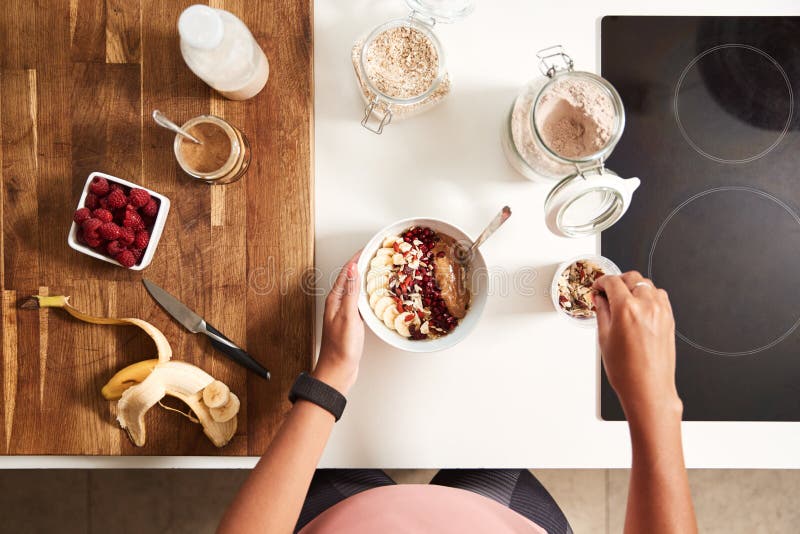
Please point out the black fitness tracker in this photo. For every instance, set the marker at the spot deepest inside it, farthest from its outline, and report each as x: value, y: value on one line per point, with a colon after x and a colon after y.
x: 309, y: 388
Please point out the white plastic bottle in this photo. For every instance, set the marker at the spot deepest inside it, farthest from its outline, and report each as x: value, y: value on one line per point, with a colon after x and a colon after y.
x: 222, y: 52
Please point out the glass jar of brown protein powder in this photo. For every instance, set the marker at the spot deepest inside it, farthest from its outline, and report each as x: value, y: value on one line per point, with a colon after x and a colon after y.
x: 560, y: 130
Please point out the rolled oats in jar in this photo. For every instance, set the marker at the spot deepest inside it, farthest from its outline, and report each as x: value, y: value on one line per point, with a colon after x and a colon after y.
x: 400, y: 65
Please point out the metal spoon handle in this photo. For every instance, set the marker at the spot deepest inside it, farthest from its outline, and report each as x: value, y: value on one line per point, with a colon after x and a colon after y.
x: 496, y: 223
x: 164, y: 122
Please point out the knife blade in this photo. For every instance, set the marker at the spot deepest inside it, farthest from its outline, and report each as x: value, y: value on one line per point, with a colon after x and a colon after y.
x: 195, y: 324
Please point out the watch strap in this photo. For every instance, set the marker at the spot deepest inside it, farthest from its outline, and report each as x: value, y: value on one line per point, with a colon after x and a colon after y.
x: 308, y: 388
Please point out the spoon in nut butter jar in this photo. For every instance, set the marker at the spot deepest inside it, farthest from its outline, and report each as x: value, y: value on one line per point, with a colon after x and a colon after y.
x: 164, y: 122
x: 210, y: 149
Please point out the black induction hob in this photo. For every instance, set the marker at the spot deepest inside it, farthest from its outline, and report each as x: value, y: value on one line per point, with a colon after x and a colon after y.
x: 713, y: 132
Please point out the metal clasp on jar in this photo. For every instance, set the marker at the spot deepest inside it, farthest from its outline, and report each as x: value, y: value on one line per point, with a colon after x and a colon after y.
x: 371, y: 109
x: 597, y: 165
x: 553, y: 59
x: 430, y: 21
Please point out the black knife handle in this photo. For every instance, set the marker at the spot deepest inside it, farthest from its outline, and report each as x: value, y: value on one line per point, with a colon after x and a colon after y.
x: 236, y: 354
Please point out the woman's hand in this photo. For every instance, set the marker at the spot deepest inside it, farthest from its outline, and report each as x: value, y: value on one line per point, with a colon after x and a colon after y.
x: 637, y: 341
x: 342, y: 332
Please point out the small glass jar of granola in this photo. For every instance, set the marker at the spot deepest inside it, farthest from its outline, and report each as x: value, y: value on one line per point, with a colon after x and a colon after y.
x: 572, y: 291
x: 400, y: 65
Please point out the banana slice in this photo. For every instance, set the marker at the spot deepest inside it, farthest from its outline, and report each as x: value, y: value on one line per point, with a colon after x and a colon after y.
x: 216, y: 394
x: 376, y: 295
x: 389, y: 315
x: 382, y: 304
x: 379, y: 271
x: 377, y: 282
x: 403, y: 321
x: 227, y: 412
x: 381, y: 261
x: 385, y: 252
x: 390, y: 241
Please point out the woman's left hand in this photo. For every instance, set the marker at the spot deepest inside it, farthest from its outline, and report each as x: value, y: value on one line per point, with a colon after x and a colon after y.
x: 342, y: 332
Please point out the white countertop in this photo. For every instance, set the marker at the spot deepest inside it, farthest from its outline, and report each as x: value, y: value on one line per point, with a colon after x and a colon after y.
x: 523, y: 389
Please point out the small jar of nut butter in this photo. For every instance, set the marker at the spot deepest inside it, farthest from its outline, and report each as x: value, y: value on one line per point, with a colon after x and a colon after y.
x: 222, y: 156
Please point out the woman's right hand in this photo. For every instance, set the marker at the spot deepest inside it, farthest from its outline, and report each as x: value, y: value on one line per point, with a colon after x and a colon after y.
x: 637, y: 340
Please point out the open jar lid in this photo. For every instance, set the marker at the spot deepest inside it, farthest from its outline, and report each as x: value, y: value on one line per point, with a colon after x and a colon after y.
x: 445, y: 11
x: 588, y: 202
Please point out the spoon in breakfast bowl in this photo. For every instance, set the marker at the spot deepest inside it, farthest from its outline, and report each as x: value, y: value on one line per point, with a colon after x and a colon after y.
x: 463, y: 253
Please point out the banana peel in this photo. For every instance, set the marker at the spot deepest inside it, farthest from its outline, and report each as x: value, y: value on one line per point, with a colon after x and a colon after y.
x: 138, y: 387
x: 127, y: 377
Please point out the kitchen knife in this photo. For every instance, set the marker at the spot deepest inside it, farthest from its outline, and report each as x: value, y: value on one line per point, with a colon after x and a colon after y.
x: 197, y: 325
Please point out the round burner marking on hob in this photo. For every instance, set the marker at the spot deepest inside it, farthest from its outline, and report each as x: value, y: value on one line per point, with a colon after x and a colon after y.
x: 729, y: 258
x: 739, y: 119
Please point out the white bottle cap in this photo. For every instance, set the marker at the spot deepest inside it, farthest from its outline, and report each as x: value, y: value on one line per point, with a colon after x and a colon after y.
x: 201, y: 26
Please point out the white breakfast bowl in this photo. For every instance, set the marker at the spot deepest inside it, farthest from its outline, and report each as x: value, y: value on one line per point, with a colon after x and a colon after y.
x: 155, y: 234
x: 478, y: 281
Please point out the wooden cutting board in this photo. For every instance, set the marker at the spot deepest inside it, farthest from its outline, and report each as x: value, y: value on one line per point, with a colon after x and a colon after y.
x: 78, y: 81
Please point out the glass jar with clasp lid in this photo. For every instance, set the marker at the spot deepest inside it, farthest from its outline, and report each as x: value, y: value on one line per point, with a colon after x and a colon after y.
x: 560, y: 130
x: 400, y: 66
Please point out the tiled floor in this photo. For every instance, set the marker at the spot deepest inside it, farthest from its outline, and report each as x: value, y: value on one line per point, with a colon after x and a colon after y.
x: 178, y: 501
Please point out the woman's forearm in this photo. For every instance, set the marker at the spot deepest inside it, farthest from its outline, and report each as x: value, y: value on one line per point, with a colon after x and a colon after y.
x: 659, y: 500
x: 272, y: 497
x: 270, y: 500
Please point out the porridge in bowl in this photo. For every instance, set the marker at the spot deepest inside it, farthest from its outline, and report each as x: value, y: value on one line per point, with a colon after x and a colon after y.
x: 416, y: 286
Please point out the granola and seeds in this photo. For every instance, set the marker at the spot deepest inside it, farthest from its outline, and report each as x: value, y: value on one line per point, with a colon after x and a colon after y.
x: 575, y: 293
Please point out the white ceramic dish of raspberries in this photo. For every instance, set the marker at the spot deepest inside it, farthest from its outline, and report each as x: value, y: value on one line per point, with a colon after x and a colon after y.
x: 477, y: 280
x: 118, y: 222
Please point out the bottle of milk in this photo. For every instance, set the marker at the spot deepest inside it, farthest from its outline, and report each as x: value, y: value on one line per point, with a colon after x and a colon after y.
x: 221, y: 51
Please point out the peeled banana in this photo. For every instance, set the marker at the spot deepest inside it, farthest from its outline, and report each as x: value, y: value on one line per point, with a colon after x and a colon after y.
x: 138, y: 387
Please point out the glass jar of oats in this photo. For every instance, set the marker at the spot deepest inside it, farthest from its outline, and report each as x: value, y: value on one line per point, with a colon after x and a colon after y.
x: 560, y: 130
x: 400, y: 65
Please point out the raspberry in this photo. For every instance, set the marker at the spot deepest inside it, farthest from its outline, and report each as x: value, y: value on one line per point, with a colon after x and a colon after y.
x: 81, y: 215
x: 126, y: 258
x: 137, y: 253
x: 142, y: 239
x: 126, y: 236
x: 103, y: 203
x: 109, y: 231
x: 133, y: 221
x: 138, y: 197
x: 90, y: 227
x: 103, y: 215
x: 151, y: 208
x: 99, y: 186
x: 116, y: 199
x: 94, y: 242
x: 90, y: 201
x: 116, y: 187
x: 114, y: 247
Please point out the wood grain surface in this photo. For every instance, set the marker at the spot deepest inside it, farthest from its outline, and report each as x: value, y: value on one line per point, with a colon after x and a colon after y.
x: 78, y: 81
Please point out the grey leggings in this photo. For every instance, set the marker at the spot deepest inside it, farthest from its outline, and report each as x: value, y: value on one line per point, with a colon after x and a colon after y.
x: 517, y: 489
